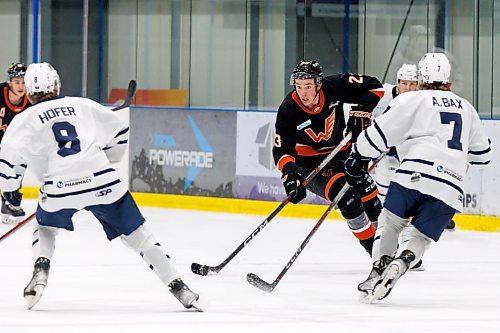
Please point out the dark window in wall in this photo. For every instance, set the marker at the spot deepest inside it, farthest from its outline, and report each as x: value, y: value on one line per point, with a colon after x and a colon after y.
x: 62, y: 43
x: 327, y: 31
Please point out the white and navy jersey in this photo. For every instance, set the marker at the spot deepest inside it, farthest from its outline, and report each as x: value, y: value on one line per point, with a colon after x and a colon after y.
x: 390, y: 92
x: 69, y: 144
x: 436, y: 134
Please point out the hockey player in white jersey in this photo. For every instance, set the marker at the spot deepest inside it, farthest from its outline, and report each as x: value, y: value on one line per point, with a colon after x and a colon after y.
x: 437, y: 135
x: 69, y: 143
x: 386, y: 166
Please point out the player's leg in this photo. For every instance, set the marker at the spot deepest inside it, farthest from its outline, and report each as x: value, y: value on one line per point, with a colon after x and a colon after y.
x: 404, y: 237
x: 43, y: 246
x: 123, y: 219
x: 384, y: 248
x: 430, y: 219
x: 328, y: 184
x: 368, y: 192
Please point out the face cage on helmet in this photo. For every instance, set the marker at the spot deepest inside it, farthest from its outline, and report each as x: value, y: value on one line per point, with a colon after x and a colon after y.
x: 304, y: 76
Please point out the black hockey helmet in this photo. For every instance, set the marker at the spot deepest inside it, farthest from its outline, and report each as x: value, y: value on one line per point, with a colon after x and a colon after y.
x: 307, y: 69
x: 16, y: 69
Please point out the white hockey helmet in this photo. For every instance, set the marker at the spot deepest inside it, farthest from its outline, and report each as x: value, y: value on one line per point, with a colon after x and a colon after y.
x: 407, y: 72
x: 41, y: 78
x: 434, y: 68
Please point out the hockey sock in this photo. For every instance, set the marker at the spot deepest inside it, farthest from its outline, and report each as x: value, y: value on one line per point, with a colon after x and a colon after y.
x: 44, y: 242
x: 416, y: 242
x: 387, y: 235
x: 142, y: 241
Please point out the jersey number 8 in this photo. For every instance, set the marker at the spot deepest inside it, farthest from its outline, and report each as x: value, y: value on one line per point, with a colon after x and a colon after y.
x: 66, y: 137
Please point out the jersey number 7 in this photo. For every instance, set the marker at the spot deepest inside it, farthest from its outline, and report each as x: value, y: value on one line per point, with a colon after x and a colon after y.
x: 456, y: 118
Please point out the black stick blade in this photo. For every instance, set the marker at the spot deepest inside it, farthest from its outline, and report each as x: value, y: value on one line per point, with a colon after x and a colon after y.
x: 199, y: 269
x: 257, y: 282
x: 132, y: 86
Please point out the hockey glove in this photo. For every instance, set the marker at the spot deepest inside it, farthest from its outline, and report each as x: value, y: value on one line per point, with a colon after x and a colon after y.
x: 393, y: 152
x: 355, y: 167
x: 13, y: 198
x: 359, y: 119
x: 293, y: 182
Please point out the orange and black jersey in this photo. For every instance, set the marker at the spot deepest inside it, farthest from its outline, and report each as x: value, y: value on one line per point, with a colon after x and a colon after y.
x: 7, y: 110
x: 304, y: 135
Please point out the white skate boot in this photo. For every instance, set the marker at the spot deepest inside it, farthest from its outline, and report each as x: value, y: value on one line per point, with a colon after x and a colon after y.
x: 366, y: 287
x: 181, y: 291
x: 391, y: 275
x: 34, y: 290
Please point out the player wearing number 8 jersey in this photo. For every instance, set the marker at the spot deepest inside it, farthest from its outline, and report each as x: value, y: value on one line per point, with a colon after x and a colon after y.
x: 69, y: 143
x: 437, y: 134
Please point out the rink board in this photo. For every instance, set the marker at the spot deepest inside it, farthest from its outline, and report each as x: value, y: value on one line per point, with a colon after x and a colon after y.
x: 257, y: 207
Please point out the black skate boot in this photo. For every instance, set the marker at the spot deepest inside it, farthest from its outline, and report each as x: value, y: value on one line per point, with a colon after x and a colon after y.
x: 391, y: 275
x: 366, y: 287
x: 450, y: 226
x: 418, y: 267
x: 367, y: 244
x: 34, y: 290
x: 11, y: 214
x: 181, y: 291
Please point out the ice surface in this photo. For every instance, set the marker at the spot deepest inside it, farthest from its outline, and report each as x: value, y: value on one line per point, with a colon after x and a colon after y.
x: 98, y: 286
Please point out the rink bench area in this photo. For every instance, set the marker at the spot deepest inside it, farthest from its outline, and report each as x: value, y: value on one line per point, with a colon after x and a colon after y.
x: 257, y: 207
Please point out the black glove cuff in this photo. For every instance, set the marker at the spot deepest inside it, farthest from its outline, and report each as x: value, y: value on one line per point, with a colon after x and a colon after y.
x: 290, y: 168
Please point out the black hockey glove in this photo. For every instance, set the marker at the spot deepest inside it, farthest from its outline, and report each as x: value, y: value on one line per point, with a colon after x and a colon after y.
x: 293, y: 182
x: 393, y: 152
x: 13, y: 198
x: 359, y: 119
x: 356, y: 167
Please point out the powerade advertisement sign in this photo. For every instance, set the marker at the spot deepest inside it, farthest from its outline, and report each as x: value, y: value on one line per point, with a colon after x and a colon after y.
x: 187, y: 152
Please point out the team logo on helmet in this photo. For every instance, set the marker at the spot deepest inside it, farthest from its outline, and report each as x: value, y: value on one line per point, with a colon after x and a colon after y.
x: 16, y: 69
x: 307, y: 69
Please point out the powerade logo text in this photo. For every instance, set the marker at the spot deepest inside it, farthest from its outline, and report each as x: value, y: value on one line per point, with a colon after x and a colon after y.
x: 195, y: 160
x: 181, y: 158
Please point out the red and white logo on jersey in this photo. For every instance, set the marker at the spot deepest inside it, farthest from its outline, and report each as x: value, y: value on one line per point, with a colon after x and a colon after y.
x: 327, y: 134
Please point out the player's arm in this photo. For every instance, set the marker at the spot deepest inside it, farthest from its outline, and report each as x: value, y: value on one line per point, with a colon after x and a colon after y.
x: 113, y: 134
x: 480, y: 149
x: 365, y: 92
x: 388, y: 130
x: 117, y: 146
x: 12, y: 164
x: 284, y: 156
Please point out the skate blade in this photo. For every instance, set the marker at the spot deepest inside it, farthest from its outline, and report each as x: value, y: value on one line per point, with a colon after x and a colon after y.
x: 364, y: 297
x: 34, y: 299
x: 9, y: 219
x: 196, y: 306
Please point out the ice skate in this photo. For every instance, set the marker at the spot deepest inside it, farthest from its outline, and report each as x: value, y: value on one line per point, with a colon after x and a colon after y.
x: 366, y: 287
x: 181, y: 291
x: 11, y: 214
x: 34, y: 290
x: 391, y: 275
x: 451, y: 226
x: 418, y: 267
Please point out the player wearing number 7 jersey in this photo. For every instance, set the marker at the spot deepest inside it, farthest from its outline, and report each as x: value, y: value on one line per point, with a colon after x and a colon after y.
x: 69, y: 143
x: 437, y: 135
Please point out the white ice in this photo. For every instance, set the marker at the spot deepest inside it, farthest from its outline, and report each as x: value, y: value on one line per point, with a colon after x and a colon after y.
x: 98, y: 286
